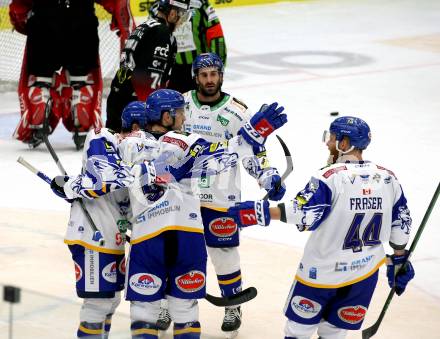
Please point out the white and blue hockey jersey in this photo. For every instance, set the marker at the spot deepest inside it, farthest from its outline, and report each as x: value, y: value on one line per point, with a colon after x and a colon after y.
x: 352, y: 209
x: 215, y: 124
x: 176, y: 154
x: 110, y: 212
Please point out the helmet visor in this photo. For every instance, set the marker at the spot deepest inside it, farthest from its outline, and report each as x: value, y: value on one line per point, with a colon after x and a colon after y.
x: 326, y: 136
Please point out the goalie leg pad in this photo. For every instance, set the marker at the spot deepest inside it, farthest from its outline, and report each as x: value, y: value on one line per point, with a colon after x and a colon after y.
x: 34, y: 97
x: 82, y: 110
x: 86, y: 102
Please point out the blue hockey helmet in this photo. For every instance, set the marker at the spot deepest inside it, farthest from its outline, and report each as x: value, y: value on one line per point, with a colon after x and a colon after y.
x: 356, y: 129
x: 134, y: 112
x: 207, y: 60
x: 163, y: 100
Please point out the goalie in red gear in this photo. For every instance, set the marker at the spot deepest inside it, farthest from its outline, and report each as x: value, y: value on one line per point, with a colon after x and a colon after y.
x: 61, y: 75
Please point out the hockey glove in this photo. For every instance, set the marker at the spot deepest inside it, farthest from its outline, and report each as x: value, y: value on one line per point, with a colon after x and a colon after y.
x: 250, y: 213
x: 19, y: 14
x: 397, y: 277
x: 263, y: 123
x: 270, y: 180
x: 57, y: 185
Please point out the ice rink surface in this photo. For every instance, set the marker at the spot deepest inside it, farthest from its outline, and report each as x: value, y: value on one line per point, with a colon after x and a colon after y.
x: 379, y: 60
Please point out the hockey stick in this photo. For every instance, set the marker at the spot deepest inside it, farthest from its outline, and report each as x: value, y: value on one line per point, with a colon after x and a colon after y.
x: 235, y: 299
x: 97, y: 236
x: 289, y: 163
x: 251, y: 292
x: 371, y: 331
x: 31, y: 168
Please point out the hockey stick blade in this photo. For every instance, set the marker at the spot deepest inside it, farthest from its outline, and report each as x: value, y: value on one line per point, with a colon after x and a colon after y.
x: 371, y: 331
x: 289, y: 164
x: 234, y: 300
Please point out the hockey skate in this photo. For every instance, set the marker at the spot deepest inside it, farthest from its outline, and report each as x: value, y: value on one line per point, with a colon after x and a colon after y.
x: 79, y: 138
x: 164, y: 321
x: 35, y: 140
x: 231, y: 321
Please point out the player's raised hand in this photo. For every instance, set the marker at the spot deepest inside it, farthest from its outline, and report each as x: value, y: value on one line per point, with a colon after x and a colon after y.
x: 250, y: 213
x: 263, y: 123
x: 268, y: 118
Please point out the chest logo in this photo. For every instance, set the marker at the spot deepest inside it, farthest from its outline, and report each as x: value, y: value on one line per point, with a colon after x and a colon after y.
x: 222, y: 120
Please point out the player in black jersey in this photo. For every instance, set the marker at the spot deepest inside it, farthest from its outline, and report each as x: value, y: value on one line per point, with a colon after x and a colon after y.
x: 146, y: 60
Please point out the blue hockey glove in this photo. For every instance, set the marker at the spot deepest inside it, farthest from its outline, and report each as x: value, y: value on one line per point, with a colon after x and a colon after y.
x: 403, y: 276
x: 57, y: 185
x: 263, y: 123
x: 249, y: 213
x: 270, y: 180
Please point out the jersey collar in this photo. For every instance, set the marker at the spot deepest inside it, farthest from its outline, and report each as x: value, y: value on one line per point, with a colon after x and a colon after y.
x: 213, y: 105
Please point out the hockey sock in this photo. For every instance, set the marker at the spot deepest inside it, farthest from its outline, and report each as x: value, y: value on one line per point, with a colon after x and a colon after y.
x: 90, y: 330
x: 108, y: 323
x: 144, y: 330
x: 229, y: 283
x: 189, y: 330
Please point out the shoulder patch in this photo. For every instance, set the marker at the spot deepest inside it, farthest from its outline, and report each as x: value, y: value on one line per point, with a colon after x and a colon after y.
x: 135, y: 134
x: 389, y: 172
x: 240, y: 103
x: 332, y: 171
x: 180, y: 143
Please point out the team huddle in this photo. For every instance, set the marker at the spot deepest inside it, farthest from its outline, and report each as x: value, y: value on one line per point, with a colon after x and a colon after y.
x: 164, y: 177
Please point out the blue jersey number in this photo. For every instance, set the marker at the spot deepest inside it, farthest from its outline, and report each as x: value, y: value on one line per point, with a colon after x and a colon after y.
x: 370, y: 237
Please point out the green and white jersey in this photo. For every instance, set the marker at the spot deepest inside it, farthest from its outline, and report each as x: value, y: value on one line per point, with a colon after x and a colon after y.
x: 217, y: 123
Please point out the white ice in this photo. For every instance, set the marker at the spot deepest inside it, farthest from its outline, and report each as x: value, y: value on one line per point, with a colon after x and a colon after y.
x: 374, y: 59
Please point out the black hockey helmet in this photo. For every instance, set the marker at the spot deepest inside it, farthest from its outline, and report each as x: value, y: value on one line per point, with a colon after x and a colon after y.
x: 166, y: 5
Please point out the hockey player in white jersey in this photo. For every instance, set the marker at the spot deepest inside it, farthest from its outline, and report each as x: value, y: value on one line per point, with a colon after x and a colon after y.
x: 352, y: 207
x: 217, y: 116
x: 100, y: 270
x: 168, y: 226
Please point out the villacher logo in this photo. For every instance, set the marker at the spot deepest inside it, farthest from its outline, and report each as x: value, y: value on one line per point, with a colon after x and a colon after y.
x: 223, y: 227
x: 191, y: 282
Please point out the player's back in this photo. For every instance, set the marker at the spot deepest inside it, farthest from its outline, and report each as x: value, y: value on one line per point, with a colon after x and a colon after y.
x: 355, y: 205
x: 138, y: 146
